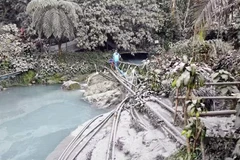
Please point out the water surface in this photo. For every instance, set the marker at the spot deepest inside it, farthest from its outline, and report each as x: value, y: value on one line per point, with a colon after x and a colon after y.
x: 34, y: 120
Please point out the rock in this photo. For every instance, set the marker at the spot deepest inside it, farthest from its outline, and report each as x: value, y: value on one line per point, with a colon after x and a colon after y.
x: 1, y: 88
x: 71, y: 85
x: 95, y: 78
x: 101, y: 100
x: 52, y: 82
x: 64, y: 78
x: 100, y: 87
x: 80, y: 78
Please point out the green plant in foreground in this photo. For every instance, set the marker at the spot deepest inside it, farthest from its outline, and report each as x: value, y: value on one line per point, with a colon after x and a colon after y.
x: 226, y: 90
x: 224, y: 76
x: 27, y: 77
x: 190, y: 79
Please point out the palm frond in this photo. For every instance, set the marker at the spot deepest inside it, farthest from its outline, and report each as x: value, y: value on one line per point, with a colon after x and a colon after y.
x: 208, y: 11
x: 47, y: 23
x: 56, y: 18
x: 34, y: 4
x: 57, y: 25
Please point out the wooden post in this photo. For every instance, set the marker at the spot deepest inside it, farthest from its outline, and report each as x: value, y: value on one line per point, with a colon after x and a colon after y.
x: 222, y: 83
x: 217, y: 113
x: 210, y: 97
x: 176, y: 106
x: 237, y: 120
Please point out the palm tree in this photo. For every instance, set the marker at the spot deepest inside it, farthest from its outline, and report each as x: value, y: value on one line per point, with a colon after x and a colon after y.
x: 207, y: 12
x: 54, y: 19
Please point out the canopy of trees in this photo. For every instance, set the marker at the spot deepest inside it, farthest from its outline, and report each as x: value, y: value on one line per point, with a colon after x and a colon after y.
x: 54, y: 18
x: 130, y: 24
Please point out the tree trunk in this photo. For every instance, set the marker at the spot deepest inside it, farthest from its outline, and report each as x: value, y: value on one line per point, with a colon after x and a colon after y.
x: 59, y: 48
x: 185, y: 120
x: 186, y: 15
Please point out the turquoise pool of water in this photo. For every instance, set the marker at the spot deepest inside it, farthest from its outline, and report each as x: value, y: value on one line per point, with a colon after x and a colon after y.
x: 34, y: 120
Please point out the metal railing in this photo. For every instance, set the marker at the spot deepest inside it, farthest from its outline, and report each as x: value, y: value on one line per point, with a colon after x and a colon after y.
x: 212, y: 113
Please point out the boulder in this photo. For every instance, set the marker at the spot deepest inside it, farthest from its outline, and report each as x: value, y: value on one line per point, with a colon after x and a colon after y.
x: 71, y: 85
x: 1, y: 88
x: 64, y: 78
x: 80, y: 78
x: 52, y: 81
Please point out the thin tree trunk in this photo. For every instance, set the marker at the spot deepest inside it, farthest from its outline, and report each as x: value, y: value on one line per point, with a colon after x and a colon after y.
x: 176, y: 106
x: 60, y: 48
x: 185, y: 121
x: 185, y: 19
x: 202, y: 148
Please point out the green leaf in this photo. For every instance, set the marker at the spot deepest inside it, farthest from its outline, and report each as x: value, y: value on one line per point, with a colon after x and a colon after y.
x: 193, y: 68
x: 215, y: 75
x: 195, y: 101
x: 226, y: 72
x: 186, y: 77
x: 189, y: 133
x: 197, y: 114
x: 188, y: 68
x: 201, y: 35
x: 216, y: 79
x: 201, y: 80
x: 179, y: 82
x: 185, y: 59
x: 174, y: 83
x: 234, y: 89
x: 187, y: 127
x: 224, y: 76
x: 184, y: 132
x: 224, y: 91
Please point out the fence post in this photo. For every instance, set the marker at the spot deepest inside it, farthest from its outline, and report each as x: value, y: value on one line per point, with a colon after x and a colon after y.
x: 176, y: 106
x: 237, y: 120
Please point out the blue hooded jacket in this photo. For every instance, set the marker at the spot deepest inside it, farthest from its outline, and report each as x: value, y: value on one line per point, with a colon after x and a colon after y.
x: 116, y: 56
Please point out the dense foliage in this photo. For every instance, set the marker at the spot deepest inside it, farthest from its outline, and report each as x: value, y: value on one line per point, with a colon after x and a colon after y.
x: 128, y: 24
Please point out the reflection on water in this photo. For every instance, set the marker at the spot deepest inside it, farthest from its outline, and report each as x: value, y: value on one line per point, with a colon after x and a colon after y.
x: 34, y: 120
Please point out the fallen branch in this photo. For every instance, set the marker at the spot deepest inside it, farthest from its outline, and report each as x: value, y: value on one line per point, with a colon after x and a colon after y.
x: 222, y: 83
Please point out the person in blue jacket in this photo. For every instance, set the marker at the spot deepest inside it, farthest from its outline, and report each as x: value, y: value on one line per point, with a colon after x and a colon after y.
x: 116, y: 58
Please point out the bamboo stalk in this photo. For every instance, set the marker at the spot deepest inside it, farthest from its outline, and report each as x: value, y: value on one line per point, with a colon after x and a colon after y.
x: 223, y: 83
x: 217, y: 113
x: 186, y: 118
x: 210, y: 97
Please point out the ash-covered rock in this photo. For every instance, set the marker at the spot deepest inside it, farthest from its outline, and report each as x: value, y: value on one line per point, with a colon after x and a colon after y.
x: 103, y: 92
x: 71, y: 85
